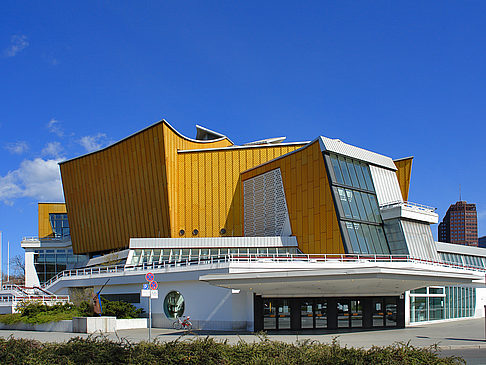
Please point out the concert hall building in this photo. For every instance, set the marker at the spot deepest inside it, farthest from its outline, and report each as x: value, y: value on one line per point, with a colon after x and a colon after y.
x: 267, y: 235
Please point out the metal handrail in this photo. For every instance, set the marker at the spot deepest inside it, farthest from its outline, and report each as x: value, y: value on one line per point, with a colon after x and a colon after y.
x: 43, y: 298
x: 408, y: 204
x: 311, y: 258
x: 35, y: 239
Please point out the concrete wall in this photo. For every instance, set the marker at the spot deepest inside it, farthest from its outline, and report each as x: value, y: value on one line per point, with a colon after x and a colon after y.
x: 209, y: 307
x: 31, y: 278
x: 61, y: 326
x: 128, y: 324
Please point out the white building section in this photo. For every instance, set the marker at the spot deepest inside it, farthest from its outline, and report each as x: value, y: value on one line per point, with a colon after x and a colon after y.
x: 386, y: 185
x: 341, y: 148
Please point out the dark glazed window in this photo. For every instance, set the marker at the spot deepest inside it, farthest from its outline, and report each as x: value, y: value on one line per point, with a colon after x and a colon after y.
x: 344, y: 170
x: 357, y: 206
x: 337, y: 170
x: 352, y: 173
x: 59, y: 223
x: 174, y: 305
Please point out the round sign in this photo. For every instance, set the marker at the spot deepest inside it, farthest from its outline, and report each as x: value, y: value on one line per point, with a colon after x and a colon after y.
x: 153, y: 285
x: 149, y: 277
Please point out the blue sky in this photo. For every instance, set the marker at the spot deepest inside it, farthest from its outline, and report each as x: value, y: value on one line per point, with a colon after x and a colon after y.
x: 400, y: 78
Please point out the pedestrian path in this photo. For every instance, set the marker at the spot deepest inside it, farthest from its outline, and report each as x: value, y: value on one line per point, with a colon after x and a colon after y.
x: 469, y: 333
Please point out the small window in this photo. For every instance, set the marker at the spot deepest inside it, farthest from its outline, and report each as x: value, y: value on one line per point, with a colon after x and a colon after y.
x: 174, y: 305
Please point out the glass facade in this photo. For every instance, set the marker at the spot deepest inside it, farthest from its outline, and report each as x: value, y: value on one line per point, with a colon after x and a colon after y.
x: 357, y: 206
x: 149, y: 256
x: 50, y: 262
x: 60, y: 225
x: 276, y: 314
x: 329, y: 313
x: 464, y: 260
x: 435, y: 303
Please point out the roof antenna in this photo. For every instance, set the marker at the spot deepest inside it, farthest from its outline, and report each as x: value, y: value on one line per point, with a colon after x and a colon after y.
x: 460, y: 199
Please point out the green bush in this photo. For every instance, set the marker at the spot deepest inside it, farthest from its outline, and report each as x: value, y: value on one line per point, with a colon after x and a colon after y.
x: 10, y: 318
x: 36, y: 312
x: 99, y: 350
x: 120, y: 309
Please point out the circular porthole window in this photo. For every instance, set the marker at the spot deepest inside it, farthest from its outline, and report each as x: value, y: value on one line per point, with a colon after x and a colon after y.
x: 174, y: 305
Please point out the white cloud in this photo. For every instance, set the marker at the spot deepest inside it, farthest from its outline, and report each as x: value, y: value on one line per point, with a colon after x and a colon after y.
x: 17, y: 147
x: 17, y: 44
x: 93, y: 143
x: 54, y: 126
x: 38, y: 179
x: 52, y: 149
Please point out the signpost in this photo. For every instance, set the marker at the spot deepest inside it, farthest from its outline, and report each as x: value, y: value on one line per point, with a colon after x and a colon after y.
x: 150, y: 290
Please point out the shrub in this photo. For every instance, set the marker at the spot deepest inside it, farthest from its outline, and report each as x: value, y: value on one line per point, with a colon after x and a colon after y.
x: 100, y: 350
x: 120, y: 309
x: 35, y: 312
x: 10, y: 318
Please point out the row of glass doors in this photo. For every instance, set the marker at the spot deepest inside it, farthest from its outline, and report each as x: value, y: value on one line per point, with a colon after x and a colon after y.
x: 329, y: 313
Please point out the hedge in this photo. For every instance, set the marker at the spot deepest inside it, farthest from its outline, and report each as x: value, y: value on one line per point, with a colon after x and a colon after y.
x: 100, y: 350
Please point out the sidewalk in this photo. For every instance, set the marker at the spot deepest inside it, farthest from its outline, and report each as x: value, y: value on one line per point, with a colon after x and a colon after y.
x: 467, y: 333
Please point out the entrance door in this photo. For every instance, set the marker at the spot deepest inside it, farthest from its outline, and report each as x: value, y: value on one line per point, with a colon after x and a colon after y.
x: 321, y: 313
x: 391, y: 312
x: 306, y: 314
x: 283, y: 313
x: 378, y: 312
x: 269, y: 314
x: 343, y: 313
x: 356, y: 313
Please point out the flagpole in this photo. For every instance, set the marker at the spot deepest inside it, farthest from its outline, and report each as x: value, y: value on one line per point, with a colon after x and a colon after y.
x: 8, y: 262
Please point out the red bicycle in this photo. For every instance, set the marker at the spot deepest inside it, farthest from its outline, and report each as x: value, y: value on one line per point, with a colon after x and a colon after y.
x: 184, y: 323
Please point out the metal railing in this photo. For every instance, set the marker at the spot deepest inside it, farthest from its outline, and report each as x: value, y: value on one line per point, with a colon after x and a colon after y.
x: 36, y: 239
x: 255, y: 258
x: 46, y: 299
x: 407, y: 204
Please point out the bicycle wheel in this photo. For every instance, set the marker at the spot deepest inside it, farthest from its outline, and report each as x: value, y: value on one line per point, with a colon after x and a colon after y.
x: 177, y: 325
x: 188, y: 326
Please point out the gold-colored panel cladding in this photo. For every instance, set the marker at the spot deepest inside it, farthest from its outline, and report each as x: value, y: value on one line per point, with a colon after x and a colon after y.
x: 125, y: 190
x: 404, y: 174
x: 44, y: 225
x: 208, y: 191
x: 309, y: 200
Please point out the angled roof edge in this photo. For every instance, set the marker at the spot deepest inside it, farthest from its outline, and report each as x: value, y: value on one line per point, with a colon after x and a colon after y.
x: 307, y: 144
x: 234, y: 147
x: 339, y: 147
x: 201, y: 129
x: 162, y: 121
x: 403, y: 158
x: 274, y: 140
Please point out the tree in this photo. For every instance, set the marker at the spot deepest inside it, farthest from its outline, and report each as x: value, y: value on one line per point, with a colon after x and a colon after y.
x: 18, y: 265
x: 17, y: 273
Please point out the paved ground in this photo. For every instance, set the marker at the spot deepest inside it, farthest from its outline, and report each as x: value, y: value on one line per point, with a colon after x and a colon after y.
x: 464, y: 338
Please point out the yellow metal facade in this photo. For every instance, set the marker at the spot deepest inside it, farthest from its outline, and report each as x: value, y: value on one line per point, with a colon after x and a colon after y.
x: 404, y: 174
x: 143, y: 186
x: 175, y: 166
x: 44, y: 209
x: 307, y: 190
x: 209, y: 194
